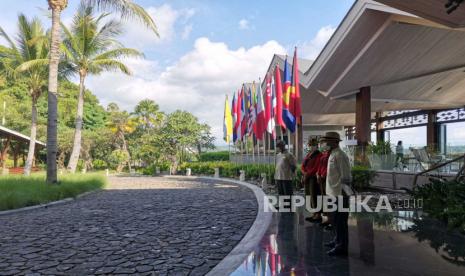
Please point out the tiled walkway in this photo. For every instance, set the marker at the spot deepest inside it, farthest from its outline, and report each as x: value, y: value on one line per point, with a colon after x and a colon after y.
x: 141, y: 226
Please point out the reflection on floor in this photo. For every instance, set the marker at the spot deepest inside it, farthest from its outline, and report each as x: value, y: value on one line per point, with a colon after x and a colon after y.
x: 398, y: 243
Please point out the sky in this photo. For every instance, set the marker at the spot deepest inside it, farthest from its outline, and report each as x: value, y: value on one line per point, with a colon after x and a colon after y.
x: 206, y: 49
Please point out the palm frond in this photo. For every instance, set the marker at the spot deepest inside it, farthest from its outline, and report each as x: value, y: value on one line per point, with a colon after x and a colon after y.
x: 128, y: 10
x: 35, y: 64
x: 109, y: 65
x: 119, y: 53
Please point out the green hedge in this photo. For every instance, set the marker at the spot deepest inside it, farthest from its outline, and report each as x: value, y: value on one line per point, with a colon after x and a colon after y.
x: 214, y: 156
x: 150, y: 170
x: 362, y: 176
x: 228, y: 169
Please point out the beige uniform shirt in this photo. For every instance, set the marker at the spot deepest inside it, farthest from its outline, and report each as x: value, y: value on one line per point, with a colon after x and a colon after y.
x: 284, y: 162
x: 338, y: 172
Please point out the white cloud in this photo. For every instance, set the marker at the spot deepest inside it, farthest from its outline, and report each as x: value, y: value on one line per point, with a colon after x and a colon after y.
x: 197, y: 82
x: 244, y: 24
x: 167, y: 19
x: 186, y: 32
x: 312, y: 48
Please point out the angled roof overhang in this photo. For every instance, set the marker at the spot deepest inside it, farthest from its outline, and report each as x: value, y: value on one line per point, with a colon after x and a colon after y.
x: 409, y: 62
x: 433, y: 10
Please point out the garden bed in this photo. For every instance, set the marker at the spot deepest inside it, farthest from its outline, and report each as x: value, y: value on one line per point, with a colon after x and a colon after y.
x: 23, y: 191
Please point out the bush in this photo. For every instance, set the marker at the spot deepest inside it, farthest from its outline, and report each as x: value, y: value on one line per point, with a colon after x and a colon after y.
x: 214, y: 156
x: 22, y: 191
x: 443, y: 200
x: 362, y: 177
x: 150, y: 170
x: 228, y: 169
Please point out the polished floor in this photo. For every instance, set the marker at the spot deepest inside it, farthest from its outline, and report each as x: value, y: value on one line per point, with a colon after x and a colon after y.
x: 398, y: 243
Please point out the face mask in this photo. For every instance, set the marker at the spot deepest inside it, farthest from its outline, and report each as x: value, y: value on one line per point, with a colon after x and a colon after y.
x: 325, y: 147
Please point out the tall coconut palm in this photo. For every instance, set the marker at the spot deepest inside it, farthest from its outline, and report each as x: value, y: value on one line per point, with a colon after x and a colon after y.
x: 90, y: 47
x: 128, y: 9
x: 121, y: 124
x: 26, y: 57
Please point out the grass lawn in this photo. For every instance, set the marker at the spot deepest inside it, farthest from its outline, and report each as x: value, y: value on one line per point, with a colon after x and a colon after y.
x: 21, y: 191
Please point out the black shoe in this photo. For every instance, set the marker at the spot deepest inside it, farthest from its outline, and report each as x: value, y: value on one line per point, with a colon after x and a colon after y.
x: 312, y: 219
x: 337, y: 251
x: 328, y: 227
x: 330, y: 244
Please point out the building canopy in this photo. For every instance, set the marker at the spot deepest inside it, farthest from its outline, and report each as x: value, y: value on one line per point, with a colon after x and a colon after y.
x: 409, y: 62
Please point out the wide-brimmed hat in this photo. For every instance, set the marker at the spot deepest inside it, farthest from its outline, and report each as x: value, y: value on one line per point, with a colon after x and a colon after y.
x: 281, y: 143
x: 331, y: 136
x: 312, y: 141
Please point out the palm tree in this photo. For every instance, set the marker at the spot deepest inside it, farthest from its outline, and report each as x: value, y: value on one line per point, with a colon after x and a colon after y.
x: 148, y: 114
x: 27, y: 58
x: 90, y: 47
x: 121, y: 124
x: 129, y: 10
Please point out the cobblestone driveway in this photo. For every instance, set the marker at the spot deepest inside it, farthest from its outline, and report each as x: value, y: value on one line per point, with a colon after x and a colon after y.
x: 152, y: 226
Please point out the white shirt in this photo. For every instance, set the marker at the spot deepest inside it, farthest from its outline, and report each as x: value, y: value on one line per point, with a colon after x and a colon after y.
x: 338, y: 172
x: 284, y: 162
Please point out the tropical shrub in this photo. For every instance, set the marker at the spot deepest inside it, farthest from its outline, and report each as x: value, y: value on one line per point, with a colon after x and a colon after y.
x: 443, y: 200
x: 362, y: 176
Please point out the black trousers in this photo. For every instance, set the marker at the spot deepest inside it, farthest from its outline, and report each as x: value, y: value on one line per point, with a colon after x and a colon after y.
x: 285, y: 188
x: 341, y: 227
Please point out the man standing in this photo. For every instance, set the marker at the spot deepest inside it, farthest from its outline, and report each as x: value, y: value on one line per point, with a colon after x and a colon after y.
x: 286, y: 165
x: 309, y: 170
x: 338, y: 179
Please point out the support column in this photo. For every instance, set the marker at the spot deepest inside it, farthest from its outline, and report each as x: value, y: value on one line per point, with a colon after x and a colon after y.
x: 379, y: 128
x: 362, y: 124
x: 363, y: 116
x: 432, y: 131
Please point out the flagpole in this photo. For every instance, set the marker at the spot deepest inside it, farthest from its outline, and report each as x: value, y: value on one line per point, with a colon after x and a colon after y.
x: 296, y: 142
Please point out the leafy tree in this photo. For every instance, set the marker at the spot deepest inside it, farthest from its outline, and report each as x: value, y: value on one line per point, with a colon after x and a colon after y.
x: 90, y: 47
x: 27, y: 58
x: 121, y: 124
x: 180, y: 135
x: 128, y: 9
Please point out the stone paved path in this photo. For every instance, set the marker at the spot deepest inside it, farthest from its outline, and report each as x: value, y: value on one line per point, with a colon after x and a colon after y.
x: 148, y: 226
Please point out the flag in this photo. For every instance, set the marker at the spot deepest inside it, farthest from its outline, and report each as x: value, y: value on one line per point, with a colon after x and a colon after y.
x: 239, y: 115
x: 251, y: 110
x: 234, y: 117
x: 269, y: 120
x: 288, y: 118
x: 227, y: 125
x: 279, y: 98
x: 273, y: 107
x: 295, y: 102
x: 260, y: 110
x: 244, y: 113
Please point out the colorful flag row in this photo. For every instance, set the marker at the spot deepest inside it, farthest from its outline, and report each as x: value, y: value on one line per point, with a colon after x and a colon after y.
x: 254, y: 112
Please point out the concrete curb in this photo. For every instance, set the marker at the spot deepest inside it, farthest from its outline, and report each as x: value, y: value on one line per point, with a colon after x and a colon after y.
x: 45, y: 205
x: 251, y: 239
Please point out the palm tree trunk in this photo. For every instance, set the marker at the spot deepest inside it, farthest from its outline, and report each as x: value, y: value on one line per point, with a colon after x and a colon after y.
x: 125, y: 149
x: 57, y: 6
x: 32, y: 141
x: 73, y: 160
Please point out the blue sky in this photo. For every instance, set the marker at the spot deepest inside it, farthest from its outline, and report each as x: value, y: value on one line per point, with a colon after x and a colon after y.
x: 206, y: 50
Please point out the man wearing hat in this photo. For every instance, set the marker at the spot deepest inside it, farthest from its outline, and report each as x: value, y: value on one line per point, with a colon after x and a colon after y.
x: 286, y: 165
x: 338, y: 175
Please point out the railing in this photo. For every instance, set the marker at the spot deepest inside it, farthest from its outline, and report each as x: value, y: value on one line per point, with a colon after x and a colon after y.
x: 438, y: 166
